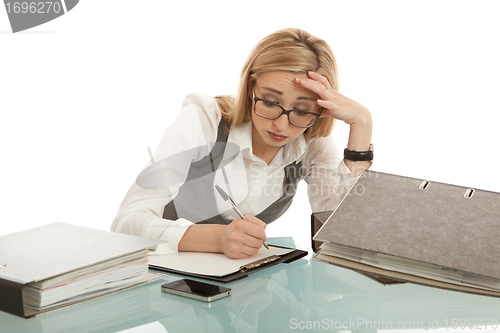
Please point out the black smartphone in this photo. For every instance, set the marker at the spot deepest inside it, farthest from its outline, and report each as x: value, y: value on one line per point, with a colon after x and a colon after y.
x: 197, y: 290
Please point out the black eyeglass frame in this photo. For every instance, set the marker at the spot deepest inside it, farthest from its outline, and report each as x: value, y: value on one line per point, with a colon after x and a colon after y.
x: 283, y: 111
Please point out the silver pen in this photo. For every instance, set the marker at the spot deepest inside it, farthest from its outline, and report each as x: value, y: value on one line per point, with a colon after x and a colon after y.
x: 228, y: 198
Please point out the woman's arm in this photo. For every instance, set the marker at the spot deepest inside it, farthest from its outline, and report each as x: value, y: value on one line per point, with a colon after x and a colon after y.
x: 328, y: 178
x: 340, y: 107
x: 239, y: 239
x: 360, y: 136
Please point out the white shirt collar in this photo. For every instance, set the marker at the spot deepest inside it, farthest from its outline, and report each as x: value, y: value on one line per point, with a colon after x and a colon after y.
x: 242, y: 136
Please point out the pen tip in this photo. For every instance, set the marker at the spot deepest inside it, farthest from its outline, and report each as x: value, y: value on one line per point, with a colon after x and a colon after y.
x: 222, y: 193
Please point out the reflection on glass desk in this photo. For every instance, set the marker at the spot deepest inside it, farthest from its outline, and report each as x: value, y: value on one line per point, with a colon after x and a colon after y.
x: 302, y: 295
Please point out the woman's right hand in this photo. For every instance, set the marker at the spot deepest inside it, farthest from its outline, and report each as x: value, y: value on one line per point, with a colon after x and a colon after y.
x: 242, y: 238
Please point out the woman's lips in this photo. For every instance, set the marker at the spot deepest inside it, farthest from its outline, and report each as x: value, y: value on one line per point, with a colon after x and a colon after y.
x: 277, y: 137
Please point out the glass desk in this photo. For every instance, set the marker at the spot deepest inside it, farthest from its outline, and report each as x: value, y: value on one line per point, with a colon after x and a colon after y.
x: 304, y: 295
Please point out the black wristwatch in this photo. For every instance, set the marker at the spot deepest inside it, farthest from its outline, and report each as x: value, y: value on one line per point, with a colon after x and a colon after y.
x: 359, y: 155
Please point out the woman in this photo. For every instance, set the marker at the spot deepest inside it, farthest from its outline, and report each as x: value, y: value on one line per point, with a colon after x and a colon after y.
x: 256, y: 146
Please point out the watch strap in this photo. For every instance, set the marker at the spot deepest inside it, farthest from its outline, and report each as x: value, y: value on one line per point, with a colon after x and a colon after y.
x: 353, y: 155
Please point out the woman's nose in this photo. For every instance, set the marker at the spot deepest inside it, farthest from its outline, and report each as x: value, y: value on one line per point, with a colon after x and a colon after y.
x: 281, y: 122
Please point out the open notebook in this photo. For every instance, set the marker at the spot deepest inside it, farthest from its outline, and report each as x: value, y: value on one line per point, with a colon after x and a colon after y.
x: 218, y: 267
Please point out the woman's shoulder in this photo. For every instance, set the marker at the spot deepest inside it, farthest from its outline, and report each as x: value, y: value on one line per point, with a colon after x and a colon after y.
x: 202, y: 101
x: 202, y: 104
x: 199, y: 98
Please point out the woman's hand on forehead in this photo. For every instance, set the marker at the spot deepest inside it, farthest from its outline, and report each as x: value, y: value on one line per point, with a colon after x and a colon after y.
x: 335, y: 105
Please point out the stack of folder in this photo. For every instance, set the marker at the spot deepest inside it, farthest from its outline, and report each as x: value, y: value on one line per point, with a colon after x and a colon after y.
x: 53, y: 266
x: 399, y: 229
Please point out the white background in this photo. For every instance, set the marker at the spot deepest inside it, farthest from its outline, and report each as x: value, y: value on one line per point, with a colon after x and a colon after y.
x: 83, y: 96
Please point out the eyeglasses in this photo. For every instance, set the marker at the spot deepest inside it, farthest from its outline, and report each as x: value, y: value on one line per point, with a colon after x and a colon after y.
x: 271, y: 110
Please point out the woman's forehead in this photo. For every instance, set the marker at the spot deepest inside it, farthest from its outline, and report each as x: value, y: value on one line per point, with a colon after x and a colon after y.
x: 284, y: 82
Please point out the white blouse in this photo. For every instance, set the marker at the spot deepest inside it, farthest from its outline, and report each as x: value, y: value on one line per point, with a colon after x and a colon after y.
x: 251, y: 182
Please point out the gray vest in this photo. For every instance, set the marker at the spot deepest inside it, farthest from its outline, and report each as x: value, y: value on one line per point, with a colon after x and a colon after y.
x: 196, y: 200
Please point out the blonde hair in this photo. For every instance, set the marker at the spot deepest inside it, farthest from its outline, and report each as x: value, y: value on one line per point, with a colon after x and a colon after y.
x: 291, y: 50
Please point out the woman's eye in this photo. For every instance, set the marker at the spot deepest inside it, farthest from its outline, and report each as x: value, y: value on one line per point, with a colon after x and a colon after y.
x: 267, y: 103
x: 301, y: 112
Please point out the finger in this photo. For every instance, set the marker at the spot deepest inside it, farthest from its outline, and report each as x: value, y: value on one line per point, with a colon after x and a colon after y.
x: 313, y: 85
x: 254, y: 220
x: 326, y: 104
x: 320, y: 78
x: 248, y: 231
x: 252, y: 243
x: 256, y: 233
x: 247, y: 243
x: 255, y: 228
x: 242, y: 245
x: 329, y: 108
x: 243, y: 252
x: 250, y: 251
